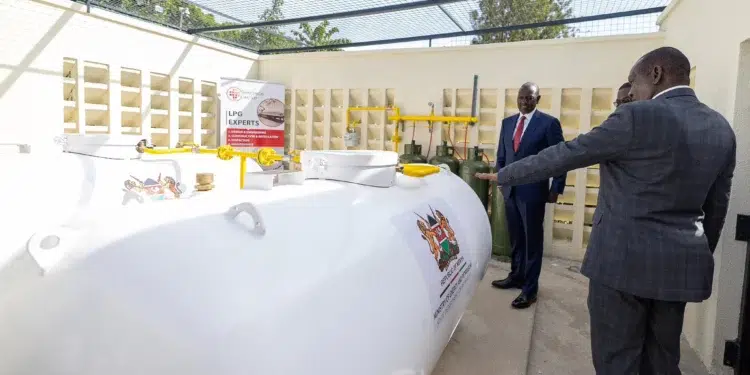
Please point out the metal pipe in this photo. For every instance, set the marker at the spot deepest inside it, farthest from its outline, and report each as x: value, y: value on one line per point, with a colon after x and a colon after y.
x: 492, y: 30
x: 328, y: 17
x: 461, y: 119
x: 474, y: 96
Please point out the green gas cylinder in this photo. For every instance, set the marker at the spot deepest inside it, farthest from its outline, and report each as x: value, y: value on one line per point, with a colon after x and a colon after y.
x: 412, y: 154
x: 444, y: 155
x: 500, y: 236
x: 472, y: 166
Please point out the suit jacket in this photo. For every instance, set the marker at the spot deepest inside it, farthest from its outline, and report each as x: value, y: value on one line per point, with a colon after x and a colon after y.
x: 542, y: 131
x: 666, y: 174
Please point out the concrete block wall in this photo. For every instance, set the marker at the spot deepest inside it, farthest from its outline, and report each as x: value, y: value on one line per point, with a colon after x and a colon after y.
x: 42, y: 40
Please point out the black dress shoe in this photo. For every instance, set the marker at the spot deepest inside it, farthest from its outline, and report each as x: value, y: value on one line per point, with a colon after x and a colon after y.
x: 523, y: 301
x: 507, y: 283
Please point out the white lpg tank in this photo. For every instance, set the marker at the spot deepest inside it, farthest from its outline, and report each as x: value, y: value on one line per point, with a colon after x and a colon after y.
x: 94, y: 171
x: 324, y: 278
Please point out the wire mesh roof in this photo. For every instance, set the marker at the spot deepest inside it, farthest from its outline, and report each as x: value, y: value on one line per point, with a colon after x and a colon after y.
x: 458, y: 19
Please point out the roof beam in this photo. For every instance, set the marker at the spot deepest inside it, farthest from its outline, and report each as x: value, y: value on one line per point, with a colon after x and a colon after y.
x: 450, y: 17
x: 331, y: 16
x: 492, y: 30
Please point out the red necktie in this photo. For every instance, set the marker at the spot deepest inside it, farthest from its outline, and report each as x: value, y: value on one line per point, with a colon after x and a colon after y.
x: 517, y: 135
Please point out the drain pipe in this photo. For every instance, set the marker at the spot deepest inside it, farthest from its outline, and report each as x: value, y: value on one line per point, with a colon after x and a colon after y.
x: 474, y: 96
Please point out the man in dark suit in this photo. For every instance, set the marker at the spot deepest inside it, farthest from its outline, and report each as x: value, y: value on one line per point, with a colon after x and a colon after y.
x: 523, y: 135
x: 667, y: 162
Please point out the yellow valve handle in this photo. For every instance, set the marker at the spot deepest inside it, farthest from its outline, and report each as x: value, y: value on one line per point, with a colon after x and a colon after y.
x: 419, y: 170
x: 267, y: 156
x: 264, y: 156
x: 225, y: 152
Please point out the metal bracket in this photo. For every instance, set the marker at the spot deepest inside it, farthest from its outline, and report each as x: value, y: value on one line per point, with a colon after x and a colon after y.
x: 731, y: 353
x: 257, y: 228
x: 742, y: 232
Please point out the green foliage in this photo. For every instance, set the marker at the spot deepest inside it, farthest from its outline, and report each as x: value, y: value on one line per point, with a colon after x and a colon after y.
x: 321, y: 35
x: 267, y: 38
x: 499, y: 13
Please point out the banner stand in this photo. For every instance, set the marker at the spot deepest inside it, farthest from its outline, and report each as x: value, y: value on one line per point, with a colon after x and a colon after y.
x: 252, y: 115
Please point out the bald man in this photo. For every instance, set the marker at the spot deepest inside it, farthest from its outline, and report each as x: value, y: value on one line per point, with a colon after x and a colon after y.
x: 667, y: 162
x: 522, y: 135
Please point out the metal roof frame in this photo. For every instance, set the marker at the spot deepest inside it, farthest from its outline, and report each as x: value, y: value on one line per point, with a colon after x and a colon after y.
x: 324, y: 17
x: 598, y: 17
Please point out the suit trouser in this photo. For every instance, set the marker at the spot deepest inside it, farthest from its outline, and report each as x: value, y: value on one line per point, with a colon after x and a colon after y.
x: 632, y: 335
x: 526, y: 232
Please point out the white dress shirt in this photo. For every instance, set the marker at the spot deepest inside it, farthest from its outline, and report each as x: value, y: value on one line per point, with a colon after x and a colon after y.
x: 525, y: 123
x: 670, y: 89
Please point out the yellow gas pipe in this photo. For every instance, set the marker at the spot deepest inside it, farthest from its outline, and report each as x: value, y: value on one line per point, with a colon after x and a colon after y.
x: 268, y: 156
x: 399, y: 119
x: 264, y: 156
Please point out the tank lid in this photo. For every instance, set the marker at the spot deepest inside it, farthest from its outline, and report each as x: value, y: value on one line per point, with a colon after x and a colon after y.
x: 372, y: 168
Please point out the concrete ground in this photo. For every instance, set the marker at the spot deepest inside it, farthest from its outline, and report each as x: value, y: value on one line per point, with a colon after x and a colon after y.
x: 552, y: 337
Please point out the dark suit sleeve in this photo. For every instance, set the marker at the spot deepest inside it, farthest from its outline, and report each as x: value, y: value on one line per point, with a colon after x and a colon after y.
x: 717, y: 201
x: 605, y: 142
x: 500, y: 161
x: 555, y: 136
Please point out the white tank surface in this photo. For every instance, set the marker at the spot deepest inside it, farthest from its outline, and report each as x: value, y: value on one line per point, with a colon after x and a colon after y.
x: 97, y: 171
x: 324, y: 278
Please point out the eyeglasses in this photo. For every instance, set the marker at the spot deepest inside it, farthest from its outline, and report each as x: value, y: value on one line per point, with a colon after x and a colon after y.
x: 619, y: 102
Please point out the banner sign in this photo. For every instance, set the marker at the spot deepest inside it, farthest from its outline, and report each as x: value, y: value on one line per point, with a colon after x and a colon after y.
x: 252, y: 114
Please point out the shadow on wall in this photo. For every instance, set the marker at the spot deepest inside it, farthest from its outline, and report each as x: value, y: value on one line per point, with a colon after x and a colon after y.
x: 172, y: 72
x: 35, y: 51
x: 731, y: 270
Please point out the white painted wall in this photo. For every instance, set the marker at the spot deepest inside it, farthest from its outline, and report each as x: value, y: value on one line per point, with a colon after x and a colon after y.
x: 35, y: 36
x: 711, y: 36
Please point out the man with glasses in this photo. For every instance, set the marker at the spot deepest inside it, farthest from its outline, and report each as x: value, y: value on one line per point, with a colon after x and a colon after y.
x: 623, y: 95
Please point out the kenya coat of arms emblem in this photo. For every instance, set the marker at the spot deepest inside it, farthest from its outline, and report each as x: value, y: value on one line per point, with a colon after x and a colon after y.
x: 440, y: 237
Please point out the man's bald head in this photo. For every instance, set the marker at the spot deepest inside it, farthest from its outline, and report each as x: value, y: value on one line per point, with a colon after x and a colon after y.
x: 675, y: 64
x: 530, y: 86
x: 528, y: 97
x: 658, y: 70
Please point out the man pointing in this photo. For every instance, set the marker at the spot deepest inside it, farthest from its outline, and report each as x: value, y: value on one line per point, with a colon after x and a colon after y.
x: 666, y: 173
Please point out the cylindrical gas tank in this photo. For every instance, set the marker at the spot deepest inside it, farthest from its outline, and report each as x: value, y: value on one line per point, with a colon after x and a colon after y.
x: 412, y: 154
x: 470, y: 167
x: 287, y: 281
x: 98, y: 172
x: 500, y: 236
x: 444, y: 155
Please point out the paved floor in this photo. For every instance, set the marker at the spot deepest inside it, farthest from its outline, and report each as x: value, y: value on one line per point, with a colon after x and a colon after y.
x: 553, y: 338
x: 492, y: 338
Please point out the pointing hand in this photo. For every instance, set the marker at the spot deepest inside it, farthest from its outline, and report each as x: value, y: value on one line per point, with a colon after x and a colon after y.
x: 486, y: 176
